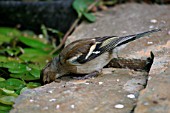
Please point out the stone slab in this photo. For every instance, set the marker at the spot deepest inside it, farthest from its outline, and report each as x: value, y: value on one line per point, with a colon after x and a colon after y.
x: 155, y: 97
x: 85, y: 96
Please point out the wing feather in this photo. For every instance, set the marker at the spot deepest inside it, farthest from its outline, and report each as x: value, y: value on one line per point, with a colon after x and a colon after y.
x: 76, y: 49
x: 82, y: 51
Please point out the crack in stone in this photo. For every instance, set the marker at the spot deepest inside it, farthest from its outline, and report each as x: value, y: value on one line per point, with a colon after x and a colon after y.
x: 148, y: 66
x: 135, y: 64
x: 133, y: 109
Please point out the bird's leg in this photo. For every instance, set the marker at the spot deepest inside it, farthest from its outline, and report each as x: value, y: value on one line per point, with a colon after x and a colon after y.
x: 90, y: 75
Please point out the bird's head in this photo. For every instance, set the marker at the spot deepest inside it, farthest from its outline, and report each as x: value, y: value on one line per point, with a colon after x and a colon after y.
x: 50, y: 72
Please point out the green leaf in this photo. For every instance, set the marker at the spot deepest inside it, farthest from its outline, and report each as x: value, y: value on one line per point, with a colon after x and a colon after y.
x: 8, y: 92
x: 14, y: 67
x: 4, y: 38
x: 35, y: 43
x: 90, y: 17
x: 23, y: 89
x: 13, y: 51
x: 60, y: 34
x: 2, y: 84
x: 20, y: 68
x: 25, y: 76
x: 14, y: 84
x: 6, y: 111
x: 44, y: 31
x: 33, y: 85
x: 35, y: 73
x: 9, y: 31
x: 3, y: 59
x: 10, y: 64
x: 36, y: 66
x: 2, y: 79
x: 81, y: 6
x: 8, y: 100
x: 34, y: 52
x: 4, y: 108
x: 7, y: 34
x: 34, y: 55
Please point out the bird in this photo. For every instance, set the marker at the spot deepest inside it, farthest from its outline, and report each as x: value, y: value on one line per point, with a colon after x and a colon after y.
x: 86, y: 56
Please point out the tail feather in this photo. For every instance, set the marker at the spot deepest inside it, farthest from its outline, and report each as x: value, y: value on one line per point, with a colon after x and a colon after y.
x: 126, y: 39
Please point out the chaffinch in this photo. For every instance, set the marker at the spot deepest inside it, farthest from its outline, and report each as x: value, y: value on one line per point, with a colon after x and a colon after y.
x: 85, y: 56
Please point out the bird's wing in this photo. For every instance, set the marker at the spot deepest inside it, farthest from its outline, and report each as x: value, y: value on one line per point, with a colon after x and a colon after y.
x: 82, y: 51
x: 98, y: 48
x: 74, y: 50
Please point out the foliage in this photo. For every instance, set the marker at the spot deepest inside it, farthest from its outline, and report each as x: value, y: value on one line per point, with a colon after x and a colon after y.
x: 81, y: 7
x: 22, y: 56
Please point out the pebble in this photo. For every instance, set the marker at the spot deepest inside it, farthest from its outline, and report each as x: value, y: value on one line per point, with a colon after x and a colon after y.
x: 131, y: 96
x: 119, y: 106
x: 100, y: 83
x: 150, y: 42
x: 94, y: 29
x: 149, y: 78
x: 50, y: 91
x: 117, y: 80
x: 153, y: 21
x: 40, y: 36
x: 146, y: 103
x: 57, y: 106
x: 151, y: 26
x: 31, y: 100
x: 87, y: 83
x: 52, y: 100
x: 72, y: 106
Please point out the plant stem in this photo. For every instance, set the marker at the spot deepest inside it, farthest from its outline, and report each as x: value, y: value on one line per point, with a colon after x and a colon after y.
x: 66, y: 36
x: 72, y: 28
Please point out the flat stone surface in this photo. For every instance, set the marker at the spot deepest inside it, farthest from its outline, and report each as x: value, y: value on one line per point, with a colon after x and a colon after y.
x: 116, y: 90
x: 155, y: 97
x: 85, y: 96
x: 126, y: 20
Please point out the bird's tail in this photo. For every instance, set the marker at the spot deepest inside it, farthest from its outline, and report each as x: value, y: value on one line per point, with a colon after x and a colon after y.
x: 126, y: 39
